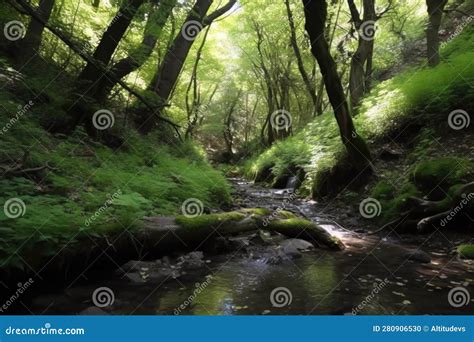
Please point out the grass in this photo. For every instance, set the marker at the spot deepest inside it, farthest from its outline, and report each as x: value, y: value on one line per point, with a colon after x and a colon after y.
x: 91, y: 189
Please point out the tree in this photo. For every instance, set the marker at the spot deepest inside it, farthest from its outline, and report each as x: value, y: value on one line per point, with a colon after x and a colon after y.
x: 361, y: 61
x: 173, y: 62
x: 316, y: 13
x: 108, y: 43
x: 194, y: 108
x: 32, y: 40
x: 88, y: 79
x: 157, y: 19
x: 310, y: 87
x: 435, y: 14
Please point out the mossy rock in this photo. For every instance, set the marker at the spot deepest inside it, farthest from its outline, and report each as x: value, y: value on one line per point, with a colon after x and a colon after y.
x: 435, y: 177
x: 466, y: 251
x: 383, y: 190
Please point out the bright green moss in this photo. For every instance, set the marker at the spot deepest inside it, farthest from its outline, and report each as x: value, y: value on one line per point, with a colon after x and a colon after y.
x: 212, y: 220
x: 289, y: 223
x: 466, y: 251
x: 287, y: 214
x: 443, y: 172
x: 257, y: 211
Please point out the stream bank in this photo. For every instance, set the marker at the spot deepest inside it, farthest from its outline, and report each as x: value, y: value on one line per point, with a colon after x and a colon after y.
x: 381, y: 274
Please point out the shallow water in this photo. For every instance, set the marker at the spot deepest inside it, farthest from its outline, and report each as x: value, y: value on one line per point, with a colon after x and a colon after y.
x: 372, y: 276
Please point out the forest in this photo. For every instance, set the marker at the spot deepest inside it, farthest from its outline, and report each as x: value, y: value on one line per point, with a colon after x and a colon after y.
x: 237, y: 157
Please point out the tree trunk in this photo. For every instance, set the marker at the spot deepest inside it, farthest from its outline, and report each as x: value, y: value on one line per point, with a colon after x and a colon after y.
x: 137, y: 57
x: 316, y: 13
x: 109, y: 42
x: 88, y: 79
x: 362, y: 59
x: 95, y: 3
x: 435, y: 13
x: 31, y: 42
x: 173, y: 62
x: 66, y: 127
x: 304, y: 75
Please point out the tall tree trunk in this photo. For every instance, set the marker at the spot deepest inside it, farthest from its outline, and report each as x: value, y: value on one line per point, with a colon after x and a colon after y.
x: 109, y: 42
x: 31, y: 42
x: 315, y: 14
x: 173, y: 62
x: 435, y: 13
x: 362, y: 59
x: 193, y: 105
x: 95, y: 3
x: 137, y: 57
x: 88, y: 79
x: 294, y: 43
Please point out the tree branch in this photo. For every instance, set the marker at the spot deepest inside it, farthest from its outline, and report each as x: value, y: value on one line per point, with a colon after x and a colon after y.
x: 31, y: 12
x: 218, y: 12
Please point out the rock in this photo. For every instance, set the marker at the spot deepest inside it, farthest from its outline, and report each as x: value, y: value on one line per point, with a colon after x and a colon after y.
x: 145, y: 271
x: 419, y: 256
x: 294, y: 247
x: 191, y: 260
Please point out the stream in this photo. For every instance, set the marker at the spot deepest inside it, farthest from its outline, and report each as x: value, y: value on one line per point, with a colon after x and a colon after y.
x: 375, y: 274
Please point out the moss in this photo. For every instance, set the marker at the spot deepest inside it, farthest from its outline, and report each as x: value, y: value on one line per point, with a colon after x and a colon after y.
x: 289, y: 223
x: 383, y: 190
x: 443, y: 172
x: 466, y: 251
x: 287, y: 214
x: 257, y: 211
x: 212, y: 220
x: 393, y: 202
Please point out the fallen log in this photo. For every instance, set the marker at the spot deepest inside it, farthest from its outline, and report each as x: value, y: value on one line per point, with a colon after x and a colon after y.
x: 426, y: 216
x: 92, y: 254
x: 189, y: 232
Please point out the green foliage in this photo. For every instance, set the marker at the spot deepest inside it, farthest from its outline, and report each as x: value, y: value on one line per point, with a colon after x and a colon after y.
x: 418, y: 95
x: 466, y: 251
x: 443, y: 172
x: 92, y: 189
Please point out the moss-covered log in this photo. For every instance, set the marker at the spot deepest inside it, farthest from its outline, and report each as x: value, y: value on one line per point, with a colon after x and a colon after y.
x: 189, y: 232
x: 424, y: 216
